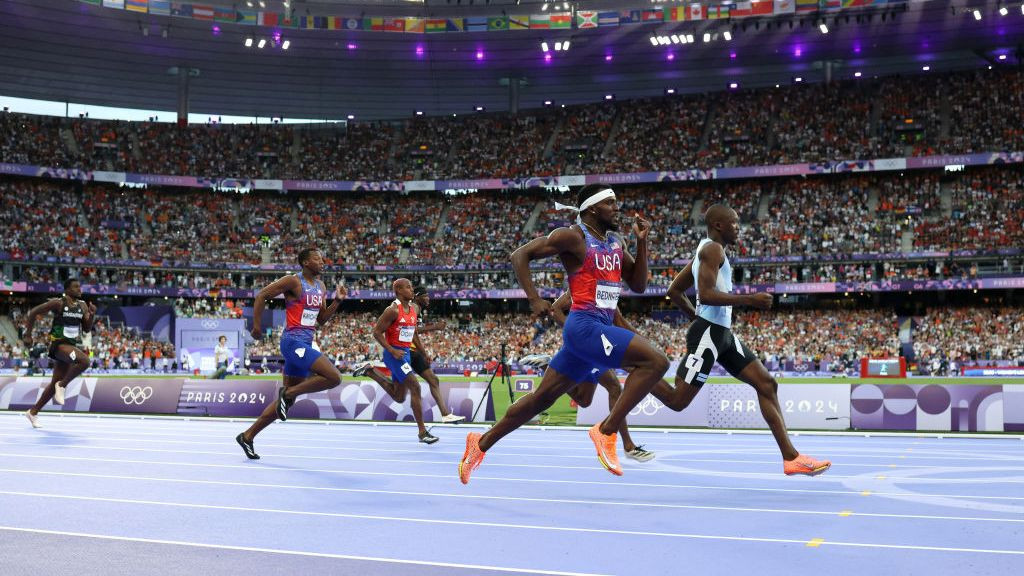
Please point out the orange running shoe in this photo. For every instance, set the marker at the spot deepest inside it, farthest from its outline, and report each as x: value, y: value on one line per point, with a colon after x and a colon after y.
x: 471, y: 458
x: 804, y: 464
x: 606, y: 449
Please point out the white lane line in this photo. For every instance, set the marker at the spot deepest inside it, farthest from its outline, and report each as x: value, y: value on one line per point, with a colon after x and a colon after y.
x: 235, y: 483
x: 653, y: 468
x: 294, y: 552
x: 253, y: 467
x: 501, y: 525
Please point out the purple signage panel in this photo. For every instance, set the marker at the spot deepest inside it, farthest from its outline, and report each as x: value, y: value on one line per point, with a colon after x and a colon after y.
x: 649, y: 412
x: 22, y: 392
x: 939, y: 407
x: 241, y: 398
x: 814, y: 405
x: 136, y: 395
x: 1013, y: 408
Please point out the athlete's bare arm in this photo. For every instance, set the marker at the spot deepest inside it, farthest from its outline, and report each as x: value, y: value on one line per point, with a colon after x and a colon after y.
x: 30, y: 318
x: 287, y: 285
x: 567, y: 243
x: 89, y: 317
x: 328, y: 312
x: 712, y: 256
x: 634, y: 271
x: 677, y: 291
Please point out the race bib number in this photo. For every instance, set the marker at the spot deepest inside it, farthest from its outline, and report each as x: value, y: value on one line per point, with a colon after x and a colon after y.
x: 607, y: 297
x: 71, y: 331
x: 406, y: 368
x: 309, y: 317
x: 405, y: 333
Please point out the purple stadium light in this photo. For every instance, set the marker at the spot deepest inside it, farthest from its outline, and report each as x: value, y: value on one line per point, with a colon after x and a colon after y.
x: 607, y: 57
x: 479, y: 54
x: 732, y: 55
x: 276, y: 36
x: 547, y: 57
x: 670, y: 56
x: 216, y: 30
x: 798, y: 51
x: 419, y: 50
x: 856, y: 48
x: 352, y: 46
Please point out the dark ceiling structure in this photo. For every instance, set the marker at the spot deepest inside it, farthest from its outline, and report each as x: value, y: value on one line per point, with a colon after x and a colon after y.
x: 65, y: 50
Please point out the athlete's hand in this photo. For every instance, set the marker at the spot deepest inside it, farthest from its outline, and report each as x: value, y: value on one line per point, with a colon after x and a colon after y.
x: 396, y: 353
x: 761, y: 300
x: 256, y: 332
x: 91, y: 307
x: 442, y: 325
x: 641, y: 226
x: 340, y: 293
x: 540, y: 307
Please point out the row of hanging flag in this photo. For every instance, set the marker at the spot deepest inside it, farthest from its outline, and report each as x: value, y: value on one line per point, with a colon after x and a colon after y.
x: 580, y: 19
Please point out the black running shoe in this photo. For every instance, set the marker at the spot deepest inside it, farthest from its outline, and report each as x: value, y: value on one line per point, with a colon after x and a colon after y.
x: 247, y: 447
x: 283, y: 404
x: 428, y: 438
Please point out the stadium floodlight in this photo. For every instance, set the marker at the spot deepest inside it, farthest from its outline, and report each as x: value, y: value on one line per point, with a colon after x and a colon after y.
x: 558, y: 46
x: 733, y: 85
x: 286, y: 44
x: 565, y: 45
x: 479, y: 108
x: 544, y: 47
x: 544, y: 7
x: 654, y: 40
x: 727, y: 35
x: 689, y: 38
x: 798, y: 79
x: 609, y: 96
x: 419, y: 112
x: 675, y: 38
x: 350, y: 117
x: 263, y: 42
x: 856, y: 74
x: 670, y: 90
x: 1002, y: 56
x: 248, y: 42
x: 548, y: 102
x: 977, y: 14
x: 823, y: 27
x: 926, y: 68
x: 707, y: 37
x: 1003, y: 11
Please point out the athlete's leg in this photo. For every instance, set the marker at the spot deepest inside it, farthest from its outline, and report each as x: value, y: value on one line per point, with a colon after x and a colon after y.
x: 270, y: 412
x: 551, y: 386
x: 583, y: 393
x: 649, y: 366
x: 77, y: 361
x: 767, y: 390
x: 60, y: 369
x: 677, y: 398
x: 325, y: 376
x: 412, y: 384
x: 394, y: 389
x: 435, y: 390
x: 610, y: 382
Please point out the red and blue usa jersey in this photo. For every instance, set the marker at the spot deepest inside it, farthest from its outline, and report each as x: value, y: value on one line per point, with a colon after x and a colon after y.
x: 595, y: 287
x: 301, y: 313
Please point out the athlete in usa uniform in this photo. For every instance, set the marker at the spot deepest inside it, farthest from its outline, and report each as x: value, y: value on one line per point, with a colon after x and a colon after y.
x: 595, y: 261
x: 305, y: 308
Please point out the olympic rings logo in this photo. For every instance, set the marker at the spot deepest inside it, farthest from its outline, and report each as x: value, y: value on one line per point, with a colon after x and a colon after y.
x: 210, y: 324
x: 136, y: 395
x: 649, y: 407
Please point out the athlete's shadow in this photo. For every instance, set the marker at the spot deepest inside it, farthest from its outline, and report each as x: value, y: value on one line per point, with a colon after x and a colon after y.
x: 56, y: 437
x: 322, y: 478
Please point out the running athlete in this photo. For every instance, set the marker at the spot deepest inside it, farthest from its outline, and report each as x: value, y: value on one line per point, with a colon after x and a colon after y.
x: 306, y: 308
x: 395, y: 331
x: 596, y: 262
x: 710, y: 339
x: 419, y: 360
x: 609, y: 380
x: 71, y: 316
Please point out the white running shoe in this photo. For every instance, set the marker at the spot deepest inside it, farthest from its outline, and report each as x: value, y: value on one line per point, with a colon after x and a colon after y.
x: 58, y: 394
x: 361, y: 368
x: 34, y: 419
x: 640, y: 455
x: 535, y: 360
x: 452, y: 418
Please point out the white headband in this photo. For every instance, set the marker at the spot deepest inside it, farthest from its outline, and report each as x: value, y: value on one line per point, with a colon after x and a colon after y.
x: 598, y: 197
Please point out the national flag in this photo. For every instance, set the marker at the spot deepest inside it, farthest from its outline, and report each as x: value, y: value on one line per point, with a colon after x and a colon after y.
x: 832, y: 5
x: 202, y: 12
x: 518, y: 22
x: 246, y: 17
x: 160, y: 7
x: 740, y: 10
x: 651, y: 15
x: 306, y: 22
x: 267, y: 18
x: 225, y: 15
x: 718, y: 12
x: 785, y: 6
x: 561, y: 21
x: 806, y: 5
x: 455, y: 25
x: 394, y: 24
x: 629, y: 17
x: 476, y: 24
x: 436, y: 25
x: 586, y: 19
x: 415, y: 25
x: 93, y: 2
x: 540, y: 21
x: 352, y: 24
x: 136, y: 5
x: 497, y: 23
x: 697, y: 12
x: 181, y: 9
x: 675, y: 14
x: 608, y: 18
x: 856, y: 3
x: 320, y: 22
x: 333, y: 23
x: 376, y: 24
x: 287, y: 20
x: 119, y: 4
x: 761, y: 8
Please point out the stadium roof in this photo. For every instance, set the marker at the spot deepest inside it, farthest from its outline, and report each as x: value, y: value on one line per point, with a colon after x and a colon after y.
x: 67, y: 50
